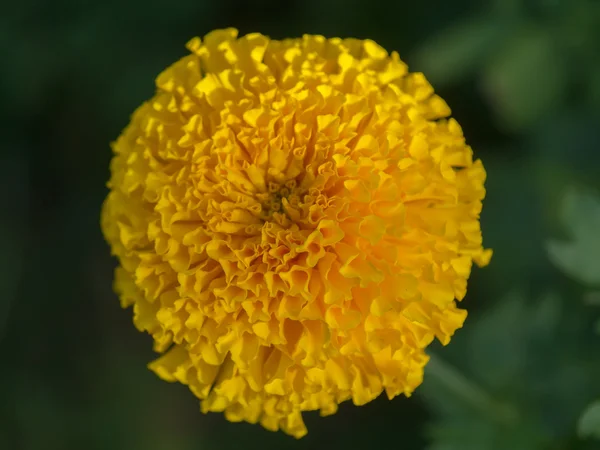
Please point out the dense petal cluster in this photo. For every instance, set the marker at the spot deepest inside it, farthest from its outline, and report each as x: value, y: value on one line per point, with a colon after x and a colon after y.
x: 294, y: 221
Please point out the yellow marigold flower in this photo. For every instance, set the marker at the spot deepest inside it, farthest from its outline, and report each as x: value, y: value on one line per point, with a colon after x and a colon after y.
x: 294, y: 220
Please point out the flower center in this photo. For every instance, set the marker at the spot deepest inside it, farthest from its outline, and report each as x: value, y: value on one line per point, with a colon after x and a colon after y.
x: 282, y: 199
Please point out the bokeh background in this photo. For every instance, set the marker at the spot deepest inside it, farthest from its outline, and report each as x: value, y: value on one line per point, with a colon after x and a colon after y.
x: 522, y: 78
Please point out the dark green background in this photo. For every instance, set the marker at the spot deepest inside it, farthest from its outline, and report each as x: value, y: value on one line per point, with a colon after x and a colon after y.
x: 522, y: 78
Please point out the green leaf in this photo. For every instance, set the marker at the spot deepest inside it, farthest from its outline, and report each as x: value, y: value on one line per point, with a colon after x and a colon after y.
x: 589, y: 422
x: 592, y: 298
x: 512, y: 365
x: 498, y: 361
x: 579, y: 257
x: 479, y: 420
x: 458, y: 50
x: 527, y: 80
x: 478, y: 434
x: 545, y: 321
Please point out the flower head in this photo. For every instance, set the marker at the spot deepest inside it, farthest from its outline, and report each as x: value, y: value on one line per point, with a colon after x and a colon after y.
x: 294, y: 221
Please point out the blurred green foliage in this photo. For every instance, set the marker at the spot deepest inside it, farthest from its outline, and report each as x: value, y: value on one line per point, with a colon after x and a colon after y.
x: 579, y: 257
x: 523, y: 80
x: 589, y: 423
